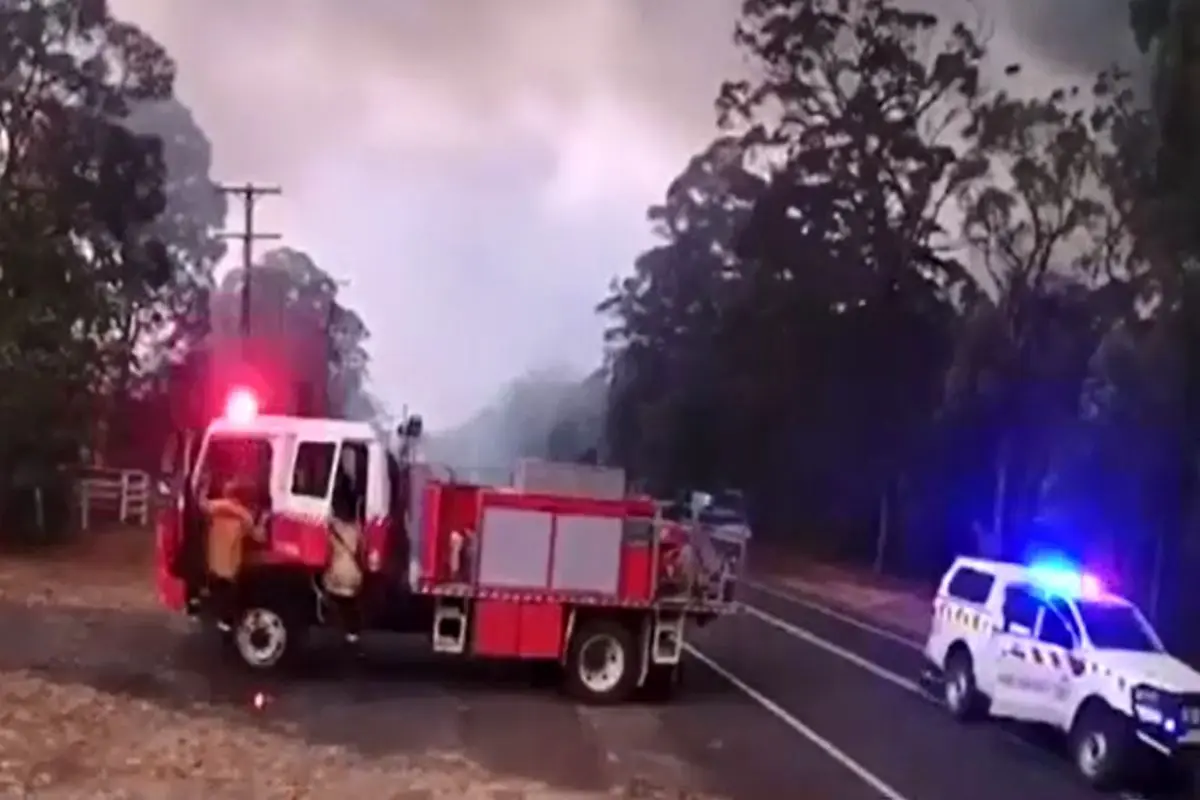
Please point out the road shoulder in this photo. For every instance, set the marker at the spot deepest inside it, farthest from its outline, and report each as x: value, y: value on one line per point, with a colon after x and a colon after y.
x: 902, y: 607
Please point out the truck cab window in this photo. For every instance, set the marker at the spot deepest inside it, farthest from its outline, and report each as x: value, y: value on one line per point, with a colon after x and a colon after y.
x: 1064, y: 630
x: 971, y: 585
x: 1020, y: 611
x: 244, y: 459
x: 1054, y: 630
x: 350, y: 483
x: 314, y: 463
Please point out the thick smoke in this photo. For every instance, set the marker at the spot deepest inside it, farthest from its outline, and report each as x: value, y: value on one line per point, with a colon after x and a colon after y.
x: 438, y: 78
x: 1076, y: 36
x: 553, y: 413
x: 541, y: 128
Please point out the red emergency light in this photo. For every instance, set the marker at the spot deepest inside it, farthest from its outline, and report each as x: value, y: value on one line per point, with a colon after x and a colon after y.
x: 241, y: 407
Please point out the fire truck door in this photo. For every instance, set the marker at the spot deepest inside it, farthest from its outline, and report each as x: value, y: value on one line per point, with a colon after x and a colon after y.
x: 377, y: 488
x: 310, y: 482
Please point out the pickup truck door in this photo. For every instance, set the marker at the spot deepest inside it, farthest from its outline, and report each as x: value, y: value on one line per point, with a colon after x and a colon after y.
x: 1019, y: 687
x: 1057, y: 641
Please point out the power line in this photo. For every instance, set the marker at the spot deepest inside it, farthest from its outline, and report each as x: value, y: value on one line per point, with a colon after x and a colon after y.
x: 249, y: 194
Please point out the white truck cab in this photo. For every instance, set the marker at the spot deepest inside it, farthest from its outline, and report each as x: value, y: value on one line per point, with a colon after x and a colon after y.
x: 1045, y: 643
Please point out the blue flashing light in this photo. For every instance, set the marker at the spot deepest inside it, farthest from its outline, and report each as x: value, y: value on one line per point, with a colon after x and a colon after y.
x: 1063, y: 579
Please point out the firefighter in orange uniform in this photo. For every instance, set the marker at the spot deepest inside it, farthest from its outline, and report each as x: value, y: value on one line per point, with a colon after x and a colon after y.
x: 230, y: 524
x: 343, y: 575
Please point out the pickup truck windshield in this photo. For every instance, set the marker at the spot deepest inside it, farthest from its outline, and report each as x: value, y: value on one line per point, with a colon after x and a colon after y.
x: 722, y: 516
x: 728, y: 508
x: 1118, y: 627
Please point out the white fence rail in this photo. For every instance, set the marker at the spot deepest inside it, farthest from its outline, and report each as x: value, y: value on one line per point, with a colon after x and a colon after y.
x: 115, y: 494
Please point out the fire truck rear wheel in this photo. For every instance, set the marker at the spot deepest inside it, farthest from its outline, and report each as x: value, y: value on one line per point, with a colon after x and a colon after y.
x: 602, y: 663
x: 263, y: 638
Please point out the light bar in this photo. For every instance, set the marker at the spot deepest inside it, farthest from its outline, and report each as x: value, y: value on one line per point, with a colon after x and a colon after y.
x: 241, y: 407
x: 1055, y: 577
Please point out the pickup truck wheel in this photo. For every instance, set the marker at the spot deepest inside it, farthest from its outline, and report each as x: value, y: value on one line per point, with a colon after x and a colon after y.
x: 602, y: 663
x: 960, y: 693
x: 263, y: 639
x: 1100, y: 748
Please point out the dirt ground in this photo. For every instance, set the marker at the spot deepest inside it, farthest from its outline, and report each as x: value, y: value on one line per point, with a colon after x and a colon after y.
x: 104, y: 695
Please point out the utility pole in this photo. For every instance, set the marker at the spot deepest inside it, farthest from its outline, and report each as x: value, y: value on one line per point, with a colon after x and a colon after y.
x: 249, y: 194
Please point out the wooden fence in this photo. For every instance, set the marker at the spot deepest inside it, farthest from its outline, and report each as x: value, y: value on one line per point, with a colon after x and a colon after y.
x: 114, y: 495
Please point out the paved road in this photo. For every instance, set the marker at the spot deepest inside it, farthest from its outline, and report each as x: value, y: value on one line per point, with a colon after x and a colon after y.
x: 102, y: 692
x: 715, y: 741
x: 99, y: 688
x: 856, y: 689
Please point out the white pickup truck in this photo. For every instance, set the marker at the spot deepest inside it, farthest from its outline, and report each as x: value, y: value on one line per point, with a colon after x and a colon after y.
x: 1047, y: 644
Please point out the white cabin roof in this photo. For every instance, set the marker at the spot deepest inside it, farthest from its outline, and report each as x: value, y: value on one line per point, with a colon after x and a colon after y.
x: 302, y: 427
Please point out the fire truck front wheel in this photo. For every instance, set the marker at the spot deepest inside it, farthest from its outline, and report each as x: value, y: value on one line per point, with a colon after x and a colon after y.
x: 263, y: 638
x: 602, y: 663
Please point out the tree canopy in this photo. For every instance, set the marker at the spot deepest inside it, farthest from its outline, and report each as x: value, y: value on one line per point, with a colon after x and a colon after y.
x: 109, y: 223
x: 914, y: 308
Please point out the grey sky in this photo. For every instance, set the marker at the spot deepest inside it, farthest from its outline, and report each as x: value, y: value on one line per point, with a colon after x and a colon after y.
x: 477, y: 169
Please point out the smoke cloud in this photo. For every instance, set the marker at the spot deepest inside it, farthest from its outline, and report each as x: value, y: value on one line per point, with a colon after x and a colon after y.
x: 477, y: 170
x: 1076, y: 36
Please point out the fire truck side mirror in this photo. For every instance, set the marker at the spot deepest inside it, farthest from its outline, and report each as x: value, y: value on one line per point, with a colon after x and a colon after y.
x: 412, y: 427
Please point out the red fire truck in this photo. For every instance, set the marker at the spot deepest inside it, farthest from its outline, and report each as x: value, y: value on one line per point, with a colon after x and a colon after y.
x: 540, y: 571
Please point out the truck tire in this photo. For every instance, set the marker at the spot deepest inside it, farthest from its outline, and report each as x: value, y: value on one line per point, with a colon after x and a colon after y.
x: 265, y: 638
x: 1100, y: 746
x: 603, y: 663
x: 959, y: 691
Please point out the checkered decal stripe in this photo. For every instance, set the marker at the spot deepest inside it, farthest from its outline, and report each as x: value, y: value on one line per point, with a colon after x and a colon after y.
x: 1037, y: 653
x: 1056, y: 659
x: 965, y: 617
x: 466, y: 591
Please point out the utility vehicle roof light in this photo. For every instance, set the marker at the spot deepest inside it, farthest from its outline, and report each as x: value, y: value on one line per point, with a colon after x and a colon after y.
x: 1057, y: 577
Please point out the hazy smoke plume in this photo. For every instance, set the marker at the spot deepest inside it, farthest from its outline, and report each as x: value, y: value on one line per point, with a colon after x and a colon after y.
x: 1076, y: 36
x: 479, y: 170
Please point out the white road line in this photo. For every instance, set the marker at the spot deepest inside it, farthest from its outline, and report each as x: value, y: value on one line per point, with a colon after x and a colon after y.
x: 878, y: 671
x: 829, y: 748
x: 833, y: 613
x: 837, y: 650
